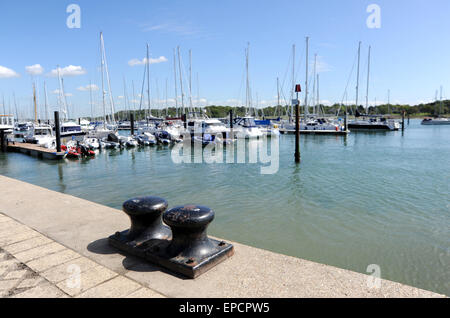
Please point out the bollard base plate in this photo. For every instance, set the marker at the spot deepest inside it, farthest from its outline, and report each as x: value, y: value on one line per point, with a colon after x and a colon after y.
x: 154, y: 251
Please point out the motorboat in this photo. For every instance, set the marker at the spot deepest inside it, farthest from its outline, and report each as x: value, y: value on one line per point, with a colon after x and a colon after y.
x: 146, y: 139
x: 92, y: 143
x: 71, y: 129
x: 86, y: 125
x: 41, y: 135
x: 245, y: 127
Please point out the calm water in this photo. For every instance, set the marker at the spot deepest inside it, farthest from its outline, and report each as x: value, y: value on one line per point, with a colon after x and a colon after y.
x: 370, y: 198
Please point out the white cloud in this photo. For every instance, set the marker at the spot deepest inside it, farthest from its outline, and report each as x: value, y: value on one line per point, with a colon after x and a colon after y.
x: 35, y: 69
x: 181, y: 29
x: 135, y: 62
x: 321, y: 65
x: 70, y: 70
x: 57, y: 92
x: 7, y: 72
x: 92, y: 87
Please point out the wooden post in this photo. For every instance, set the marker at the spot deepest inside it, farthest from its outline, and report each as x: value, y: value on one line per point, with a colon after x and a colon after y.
x: 346, y: 121
x: 297, y: 133
x: 403, y: 120
x: 58, y: 132
x: 231, y: 119
x: 132, y: 123
x: 2, y: 141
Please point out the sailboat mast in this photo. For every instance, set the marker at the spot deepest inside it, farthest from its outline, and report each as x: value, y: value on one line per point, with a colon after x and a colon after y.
x: 148, y: 81
x: 190, y: 80
x: 389, y: 101
x: 306, y: 79
x: 247, y: 86
x: 103, y: 80
x: 291, y: 112
x: 440, y: 107
x: 181, y: 81
x: 46, y: 102
x: 111, y: 100
x: 318, y: 96
x: 166, y: 96
x: 15, y: 105
x: 35, y: 105
x: 175, y: 80
x: 368, y: 78
x: 314, y: 84
x: 357, y: 75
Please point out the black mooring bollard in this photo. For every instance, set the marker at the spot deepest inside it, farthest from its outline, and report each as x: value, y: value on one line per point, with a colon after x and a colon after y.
x: 188, y: 225
x: 184, y: 248
x: 145, y: 215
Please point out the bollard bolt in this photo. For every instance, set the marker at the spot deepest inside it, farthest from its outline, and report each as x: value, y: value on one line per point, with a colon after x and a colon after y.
x: 189, y: 224
x: 145, y: 214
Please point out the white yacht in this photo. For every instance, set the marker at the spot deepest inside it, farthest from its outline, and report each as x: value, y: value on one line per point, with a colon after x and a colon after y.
x: 374, y: 123
x: 7, y: 123
x: 41, y: 135
x: 86, y: 125
x: 436, y: 121
x: 245, y: 127
x: 71, y: 129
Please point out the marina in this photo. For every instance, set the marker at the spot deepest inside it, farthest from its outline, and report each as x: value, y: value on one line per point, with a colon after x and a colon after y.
x: 247, y: 149
x: 344, y: 206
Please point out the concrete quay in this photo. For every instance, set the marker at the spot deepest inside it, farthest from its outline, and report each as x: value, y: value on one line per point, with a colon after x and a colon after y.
x: 48, y: 240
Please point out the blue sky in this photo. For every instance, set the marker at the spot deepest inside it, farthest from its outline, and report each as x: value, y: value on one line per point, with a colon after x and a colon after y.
x: 409, y: 52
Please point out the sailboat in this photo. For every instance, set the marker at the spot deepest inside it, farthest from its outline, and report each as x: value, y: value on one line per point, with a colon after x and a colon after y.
x: 311, y: 123
x: 438, y: 120
x: 104, y: 129
x: 40, y: 134
x: 369, y: 122
x: 245, y: 127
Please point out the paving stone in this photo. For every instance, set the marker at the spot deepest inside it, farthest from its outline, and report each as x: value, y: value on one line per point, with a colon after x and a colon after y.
x: 16, y: 274
x: 10, y: 228
x: 88, y: 279
x: 65, y: 271
x: 17, y: 237
x: 38, y: 252
x: 27, y: 244
x: 30, y: 282
x: 114, y: 288
x: 9, y: 264
x: 45, y: 290
x: 8, y: 225
x: 46, y: 262
x: 145, y: 293
x: 8, y: 284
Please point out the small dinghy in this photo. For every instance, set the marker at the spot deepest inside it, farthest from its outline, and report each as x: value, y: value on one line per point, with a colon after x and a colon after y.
x: 146, y: 139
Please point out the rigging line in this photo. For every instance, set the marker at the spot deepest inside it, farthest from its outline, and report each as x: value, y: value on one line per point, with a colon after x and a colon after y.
x: 348, y: 83
x: 142, y: 90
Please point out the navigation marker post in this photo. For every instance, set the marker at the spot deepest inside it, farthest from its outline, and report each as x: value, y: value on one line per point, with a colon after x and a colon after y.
x: 298, y: 89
